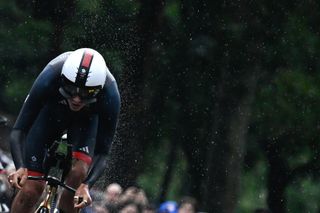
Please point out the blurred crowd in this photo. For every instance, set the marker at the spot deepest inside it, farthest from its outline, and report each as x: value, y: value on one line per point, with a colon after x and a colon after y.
x: 134, y: 200
x: 6, y: 166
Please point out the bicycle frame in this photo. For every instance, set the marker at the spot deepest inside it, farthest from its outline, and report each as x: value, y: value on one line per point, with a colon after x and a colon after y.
x: 48, y: 205
x: 59, y: 157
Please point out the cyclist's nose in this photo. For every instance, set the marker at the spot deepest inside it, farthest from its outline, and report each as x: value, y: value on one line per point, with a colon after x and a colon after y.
x: 76, y: 99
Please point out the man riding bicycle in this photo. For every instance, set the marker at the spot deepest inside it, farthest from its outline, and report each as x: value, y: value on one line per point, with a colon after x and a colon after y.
x: 75, y: 93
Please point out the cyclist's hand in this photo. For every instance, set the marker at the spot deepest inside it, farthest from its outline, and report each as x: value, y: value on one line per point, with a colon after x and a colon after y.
x: 82, y: 197
x: 18, y: 178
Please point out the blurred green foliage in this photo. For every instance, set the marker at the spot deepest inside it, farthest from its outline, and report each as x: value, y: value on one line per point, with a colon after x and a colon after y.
x: 155, y: 167
x: 253, y: 188
x: 303, y: 195
x: 24, y: 42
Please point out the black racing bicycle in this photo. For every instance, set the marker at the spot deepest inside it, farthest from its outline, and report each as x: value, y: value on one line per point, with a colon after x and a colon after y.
x: 58, y: 160
x: 49, y: 204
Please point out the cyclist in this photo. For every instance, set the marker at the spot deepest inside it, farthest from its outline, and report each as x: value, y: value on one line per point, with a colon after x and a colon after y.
x: 76, y: 93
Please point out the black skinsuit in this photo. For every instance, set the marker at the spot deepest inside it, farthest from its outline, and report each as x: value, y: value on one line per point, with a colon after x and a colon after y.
x: 45, y: 115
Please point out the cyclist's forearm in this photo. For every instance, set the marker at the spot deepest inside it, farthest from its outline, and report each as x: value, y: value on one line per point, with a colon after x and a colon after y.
x: 97, y: 168
x: 16, y: 146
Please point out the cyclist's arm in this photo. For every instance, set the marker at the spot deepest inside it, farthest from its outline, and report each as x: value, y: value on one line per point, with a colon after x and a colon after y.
x: 108, y: 119
x: 16, y: 144
x: 37, y: 96
x: 98, y: 165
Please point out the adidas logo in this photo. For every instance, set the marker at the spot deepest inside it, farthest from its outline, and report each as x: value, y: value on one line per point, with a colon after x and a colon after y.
x: 85, y: 149
x: 4, y: 207
x: 63, y: 102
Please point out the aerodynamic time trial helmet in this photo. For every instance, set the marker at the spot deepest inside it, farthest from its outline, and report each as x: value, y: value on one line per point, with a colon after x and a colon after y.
x: 84, y: 74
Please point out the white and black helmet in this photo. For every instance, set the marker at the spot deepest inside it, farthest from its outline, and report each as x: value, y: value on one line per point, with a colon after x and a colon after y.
x: 83, y: 73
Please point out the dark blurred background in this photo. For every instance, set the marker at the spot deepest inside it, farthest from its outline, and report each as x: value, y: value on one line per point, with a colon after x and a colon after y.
x: 220, y: 99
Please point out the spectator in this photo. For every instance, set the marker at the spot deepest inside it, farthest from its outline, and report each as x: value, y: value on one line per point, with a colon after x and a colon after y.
x: 112, y: 197
x: 141, y: 198
x: 3, y: 120
x: 149, y: 208
x: 6, y: 166
x: 130, y: 206
x: 135, y: 194
x: 4, y: 191
x: 99, y: 209
x: 112, y: 193
x: 168, y: 207
x: 97, y: 195
x: 187, y: 205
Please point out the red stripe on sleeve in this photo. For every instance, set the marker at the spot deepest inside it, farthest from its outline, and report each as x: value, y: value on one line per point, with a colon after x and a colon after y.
x: 81, y: 156
x: 34, y: 173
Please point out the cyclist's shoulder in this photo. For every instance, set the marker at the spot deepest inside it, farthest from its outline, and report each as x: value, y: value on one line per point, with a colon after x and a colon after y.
x: 50, y: 75
x: 58, y: 61
x: 110, y: 93
x: 110, y: 89
x: 110, y: 80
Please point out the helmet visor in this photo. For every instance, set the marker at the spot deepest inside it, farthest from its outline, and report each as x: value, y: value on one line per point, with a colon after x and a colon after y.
x: 83, y: 93
x: 69, y: 90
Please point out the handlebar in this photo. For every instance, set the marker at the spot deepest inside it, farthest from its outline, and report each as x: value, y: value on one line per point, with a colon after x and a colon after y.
x: 52, y: 181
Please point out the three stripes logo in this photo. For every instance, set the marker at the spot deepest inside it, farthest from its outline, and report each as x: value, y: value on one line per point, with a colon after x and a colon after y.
x: 64, y: 102
x: 85, y: 149
x: 4, y: 207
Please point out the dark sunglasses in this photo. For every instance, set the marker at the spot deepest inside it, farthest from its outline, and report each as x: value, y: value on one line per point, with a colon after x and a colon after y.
x: 83, y: 93
x: 69, y: 89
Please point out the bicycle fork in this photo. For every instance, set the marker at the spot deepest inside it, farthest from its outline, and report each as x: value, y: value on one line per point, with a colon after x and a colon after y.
x: 48, y: 205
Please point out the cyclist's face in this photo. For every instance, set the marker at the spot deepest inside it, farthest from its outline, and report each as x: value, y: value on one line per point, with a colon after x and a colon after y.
x: 75, y: 103
x: 78, y: 97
